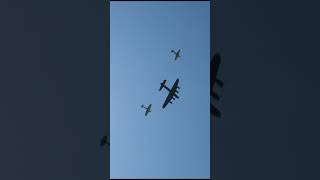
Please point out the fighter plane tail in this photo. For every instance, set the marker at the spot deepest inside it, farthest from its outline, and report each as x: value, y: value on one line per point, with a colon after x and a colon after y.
x: 162, y: 84
x: 142, y: 106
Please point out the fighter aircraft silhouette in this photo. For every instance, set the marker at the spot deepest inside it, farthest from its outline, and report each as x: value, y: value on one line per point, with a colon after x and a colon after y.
x: 104, y: 141
x: 172, y: 92
x: 148, y: 109
x: 214, y: 66
x: 176, y: 53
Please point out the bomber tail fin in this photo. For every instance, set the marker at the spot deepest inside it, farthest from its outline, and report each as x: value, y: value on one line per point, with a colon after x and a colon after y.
x: 162, y: 84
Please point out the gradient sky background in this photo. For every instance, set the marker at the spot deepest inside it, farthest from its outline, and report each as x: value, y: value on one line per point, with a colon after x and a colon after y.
x: 142, y: 36
x: 50, y: 51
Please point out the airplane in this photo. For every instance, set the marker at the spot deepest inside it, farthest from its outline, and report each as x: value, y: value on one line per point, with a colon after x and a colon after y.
x: 148, y: 109
x: 214, y: 66
x: 215, y: 111
x: 176, y: 53
x: 104, y: 140
x: 172, y: 92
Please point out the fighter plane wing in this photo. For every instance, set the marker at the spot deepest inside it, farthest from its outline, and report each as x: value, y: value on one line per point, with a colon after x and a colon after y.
x: 171, y: 94
x: 148, y: 110
x: 177, y: 55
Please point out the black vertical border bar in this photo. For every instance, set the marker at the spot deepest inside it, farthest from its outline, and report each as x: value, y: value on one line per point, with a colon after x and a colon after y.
x: 212, y: 118
x: 107, y: 82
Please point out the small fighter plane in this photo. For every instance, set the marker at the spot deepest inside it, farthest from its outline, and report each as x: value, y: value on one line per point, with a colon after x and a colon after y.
x: 214, y: 66
x: 176, y: 53
x: 172, y: 92
x: 104, y: 141
x: 148, y: 109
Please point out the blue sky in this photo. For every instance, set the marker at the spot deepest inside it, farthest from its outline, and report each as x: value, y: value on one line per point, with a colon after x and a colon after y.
x: 173, y: 142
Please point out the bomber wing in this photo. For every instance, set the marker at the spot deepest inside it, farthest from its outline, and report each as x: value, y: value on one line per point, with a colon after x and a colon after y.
x: 172, y: 93
x: 214, y: 66
x: 168, y: 99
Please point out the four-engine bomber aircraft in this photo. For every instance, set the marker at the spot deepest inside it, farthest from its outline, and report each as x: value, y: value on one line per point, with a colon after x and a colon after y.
x: 176, y: 53
x: 148, y: 109
x: 172, y: 92
x: 214, y: 66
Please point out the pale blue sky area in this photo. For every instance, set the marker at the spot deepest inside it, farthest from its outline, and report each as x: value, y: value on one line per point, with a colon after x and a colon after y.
x: 173, y: 142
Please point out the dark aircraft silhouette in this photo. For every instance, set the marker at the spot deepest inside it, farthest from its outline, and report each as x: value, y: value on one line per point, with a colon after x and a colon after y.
x: 172, y: 92
x: 148, y: 109
x: 104, y: 141
x: 176, y: 53
x: 215, y: 111
x: 214, y: 66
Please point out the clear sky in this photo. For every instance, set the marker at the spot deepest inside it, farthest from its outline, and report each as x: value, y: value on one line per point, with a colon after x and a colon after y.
x: 159, y: 145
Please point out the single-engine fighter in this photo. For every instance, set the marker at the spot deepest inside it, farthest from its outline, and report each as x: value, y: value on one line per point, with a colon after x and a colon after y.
x: 176, y: 53
x: 104, y: 141
x: 172, y: 92
x: 214, y: 66
x: 148, y: 109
